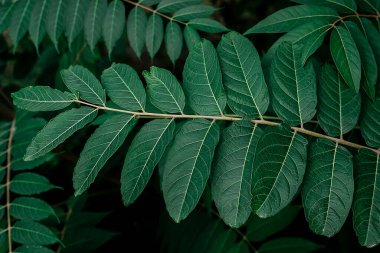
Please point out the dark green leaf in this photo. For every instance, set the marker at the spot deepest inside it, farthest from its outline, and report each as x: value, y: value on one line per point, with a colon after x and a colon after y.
x: 344, y: 6
x: 293, y: 86
x: 28, y: 232
x: 154, y: 34
x: 136, y: 26
x: 232, y: 176
x: 113, y: 24
x: 28, y: 208
x: 260, y: 229
x: 58, y: 130
x: 93, y: 22
x: 20, y: 21
x: 164, y: 90
x: 187, y: 166
x: 370, y: 123
x: 289, y: 18
x: 143, y: 155
x: 278, y: 170
x: 170, y: 6
x: 346, y: 57
x: 33, y: 249
x: 328, y: 187
x: 339, y: 106
x: 203, y: 80
x: 247, y: 92
x: 30, y: 183
x: 124, y: 87
x: 74, y: 17
x: 173, y: 41
x: 289, y: 245
x: 194, y: 11
x: 37, y: 28
x: 366, y: 206
x: 191, y: 37
x: 55, y: 20
x: 207, y: 25
x: 5, y: 16
x: 41, y: 98
x: 102, y: 144
x: 80, y: 80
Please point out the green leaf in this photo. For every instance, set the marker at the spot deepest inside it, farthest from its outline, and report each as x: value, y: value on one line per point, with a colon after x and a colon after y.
x: 191, y: 37
x: 28, y: 208
x: 58, y: 130
x: 366, y: 206
x: 154, y: 34
x: 88, y: 239
x: 247, y: 92
x: 293, y: 86
x: 164, y: 90
x: 370, y: 123
x: 367, y: 58
x: 37, y: 29
x: 187, y: 166
x: 310, y: 36
x: 29, y: 232
x: 143, y: 155
x: 232, y: 175
x: 173, y: 41
x: 207, y: 25
x: 260, y: 229
x: 170, y: 6
x: 30, y: 183
x: 55, y: 20
x: 291, y: 17
x: 343, y: 6
x: 102, y: 144
x: 74, y: 18
x: 346, y: 57
x: 93, y: 21
x: 33, y: 249
x: 6, y: 12
x: 113, y: 24
x: 339, y: 106
x: 372, y: 6
x: 203, y: 80
x: 289, y: 245
x: 80, y: 80
x: 194, y: 11
x: 148, y: 2
x: 124, y: 87
x: 328, y: 187
x: 41, y: 98
x: 278, y: 170
x: 20, y: 21
x: 136, y: 25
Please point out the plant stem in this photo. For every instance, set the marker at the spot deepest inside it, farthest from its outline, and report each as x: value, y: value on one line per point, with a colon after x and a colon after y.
x: 154, y: 11
x: 227, y: 118
x: 8, y: 185
x: 63, y: 232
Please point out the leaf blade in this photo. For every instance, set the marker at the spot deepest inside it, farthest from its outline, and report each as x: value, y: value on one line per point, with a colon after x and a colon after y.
x: 136, y: 24
x: 102, y: 144
x: 173, y: 41
x: 93, y: 21
x: 57, y: 131
x: 164, y: 90
x: 143, y: 155
x: 113, y: 25
x: 182, y: 193
x: 41, y: 98
x: 232, y: 175
x: 247, y: 92
x: 202, y: 79
x: 328, y: 187
x: 274, y: 188
x: 154, y: 34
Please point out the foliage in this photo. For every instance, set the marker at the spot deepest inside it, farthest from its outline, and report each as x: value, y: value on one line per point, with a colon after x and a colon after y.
x: 251, y: 134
